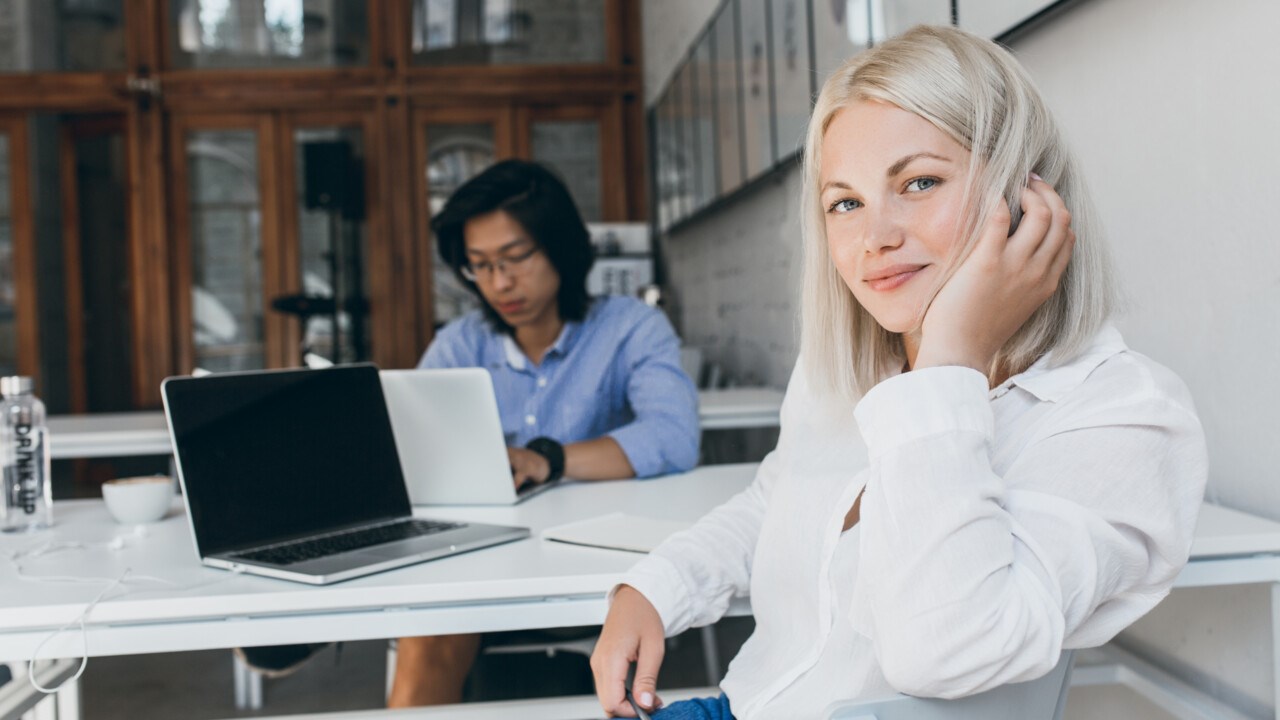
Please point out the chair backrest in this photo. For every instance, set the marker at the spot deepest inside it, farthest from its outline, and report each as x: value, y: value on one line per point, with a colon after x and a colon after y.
x: 1044, y: 697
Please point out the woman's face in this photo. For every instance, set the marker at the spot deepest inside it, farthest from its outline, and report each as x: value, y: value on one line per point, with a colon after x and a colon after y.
x: 891, y: 186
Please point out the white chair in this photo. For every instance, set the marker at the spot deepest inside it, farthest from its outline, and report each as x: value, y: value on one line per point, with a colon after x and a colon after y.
x: 1041, y: 699
x: 19, y: 700
x: 1044, y: 698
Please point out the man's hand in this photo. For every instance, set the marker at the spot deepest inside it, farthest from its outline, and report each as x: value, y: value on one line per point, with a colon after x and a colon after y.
x: 527, y: 466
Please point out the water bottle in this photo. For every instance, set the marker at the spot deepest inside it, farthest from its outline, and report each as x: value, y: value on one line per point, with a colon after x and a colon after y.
x: 24, y: 458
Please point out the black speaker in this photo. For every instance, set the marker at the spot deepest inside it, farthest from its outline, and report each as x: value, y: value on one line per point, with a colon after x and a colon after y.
x: 333, y: 179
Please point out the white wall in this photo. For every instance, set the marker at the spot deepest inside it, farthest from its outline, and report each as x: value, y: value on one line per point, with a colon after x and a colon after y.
x: 734, y: 280
x: 1173, y: 107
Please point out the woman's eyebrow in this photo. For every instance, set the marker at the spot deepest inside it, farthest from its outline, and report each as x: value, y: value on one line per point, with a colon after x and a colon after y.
x: 901, y: 165
x: 834, y: 184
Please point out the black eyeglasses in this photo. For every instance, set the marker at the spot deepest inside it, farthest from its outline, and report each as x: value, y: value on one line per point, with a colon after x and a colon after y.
x: 511, y: 266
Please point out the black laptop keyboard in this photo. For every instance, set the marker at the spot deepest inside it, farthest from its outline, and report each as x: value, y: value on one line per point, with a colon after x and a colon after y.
x: 296, y: 552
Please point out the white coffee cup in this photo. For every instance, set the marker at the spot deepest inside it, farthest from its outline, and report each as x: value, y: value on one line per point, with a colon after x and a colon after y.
x: 136, y: 500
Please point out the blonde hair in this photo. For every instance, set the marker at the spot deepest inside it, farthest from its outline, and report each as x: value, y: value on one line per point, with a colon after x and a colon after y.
x: 976, y: 92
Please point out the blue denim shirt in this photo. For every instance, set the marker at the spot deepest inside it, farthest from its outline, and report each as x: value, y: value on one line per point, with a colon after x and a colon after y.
x: 616, y: 373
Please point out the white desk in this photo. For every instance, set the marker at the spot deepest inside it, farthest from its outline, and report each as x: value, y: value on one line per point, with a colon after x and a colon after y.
x: 146, y: 433
x: 527, y: 584
x: 734, y: 408
x: 521, y: 585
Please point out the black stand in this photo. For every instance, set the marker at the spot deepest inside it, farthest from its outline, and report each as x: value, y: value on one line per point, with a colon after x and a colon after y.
x: 333, y: 183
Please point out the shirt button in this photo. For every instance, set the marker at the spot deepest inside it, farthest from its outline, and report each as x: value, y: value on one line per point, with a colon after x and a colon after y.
x: 529, y: 419
x: 542, y: 382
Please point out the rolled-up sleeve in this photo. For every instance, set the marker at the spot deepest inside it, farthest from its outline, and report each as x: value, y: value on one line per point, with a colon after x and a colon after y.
x: 973, y: 579
x: 663, y: 437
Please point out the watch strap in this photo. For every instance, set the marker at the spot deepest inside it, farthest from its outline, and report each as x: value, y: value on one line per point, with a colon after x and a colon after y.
x: 553, y: 452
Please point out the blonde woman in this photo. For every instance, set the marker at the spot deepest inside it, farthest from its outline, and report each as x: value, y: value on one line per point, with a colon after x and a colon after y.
x: 974, y: 471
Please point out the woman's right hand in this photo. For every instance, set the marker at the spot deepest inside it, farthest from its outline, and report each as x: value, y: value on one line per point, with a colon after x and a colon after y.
x: 632, y: 632
x: 1001, y: 284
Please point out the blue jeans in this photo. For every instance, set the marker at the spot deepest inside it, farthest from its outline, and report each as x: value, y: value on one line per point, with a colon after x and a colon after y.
x: 696, y: 709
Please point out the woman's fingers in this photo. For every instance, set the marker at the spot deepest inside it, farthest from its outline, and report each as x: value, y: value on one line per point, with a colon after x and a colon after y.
x: 632, y: 632
x: 1037, y: 220
x: 1054, y: 251
x: 610, y: 670
x: 644, y: 687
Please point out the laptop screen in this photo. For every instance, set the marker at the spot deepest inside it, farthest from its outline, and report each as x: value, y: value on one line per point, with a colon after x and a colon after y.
x: 274, y: 455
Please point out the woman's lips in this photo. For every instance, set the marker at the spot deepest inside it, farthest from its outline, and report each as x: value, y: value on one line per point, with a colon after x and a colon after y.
x: 511, y: 307
x: 890, y: 282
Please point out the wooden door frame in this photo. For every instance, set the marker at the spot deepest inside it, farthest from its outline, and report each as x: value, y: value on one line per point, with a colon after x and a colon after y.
x: 180, y: 208
x: 22, y: 228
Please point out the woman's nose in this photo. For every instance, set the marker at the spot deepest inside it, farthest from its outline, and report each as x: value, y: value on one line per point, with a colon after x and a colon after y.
x: 885, y: 232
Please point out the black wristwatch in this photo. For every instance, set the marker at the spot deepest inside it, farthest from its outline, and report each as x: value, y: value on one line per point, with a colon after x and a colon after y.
x: 553, y: 452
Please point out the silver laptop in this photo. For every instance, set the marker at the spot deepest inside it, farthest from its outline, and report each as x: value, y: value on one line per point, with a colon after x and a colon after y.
x: 294, y: 474
x: 450, y: 438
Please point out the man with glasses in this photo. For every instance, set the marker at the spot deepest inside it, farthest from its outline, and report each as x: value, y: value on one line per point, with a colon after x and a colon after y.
x: 589, y: 388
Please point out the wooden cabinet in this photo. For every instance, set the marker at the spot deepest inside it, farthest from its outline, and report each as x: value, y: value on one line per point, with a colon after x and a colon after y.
x: 211, y: 117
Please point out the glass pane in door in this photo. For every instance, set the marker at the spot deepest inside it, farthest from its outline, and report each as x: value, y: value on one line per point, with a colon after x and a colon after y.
x: 226, y: 249
x: 571, y: 148
x: 331, y: 242
x: 62, y: 35
x: 209, y: 34
x: 456, y: 152
x: 106, y: 329
x: 8, y: 289
x: 508, y: 32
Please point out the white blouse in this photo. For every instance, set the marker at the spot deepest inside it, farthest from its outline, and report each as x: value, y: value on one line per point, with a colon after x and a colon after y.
x: 998, y: 527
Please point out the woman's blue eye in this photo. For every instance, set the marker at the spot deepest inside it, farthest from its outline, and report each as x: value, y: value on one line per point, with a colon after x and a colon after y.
x: 921, y: 184
x: 844, y: 206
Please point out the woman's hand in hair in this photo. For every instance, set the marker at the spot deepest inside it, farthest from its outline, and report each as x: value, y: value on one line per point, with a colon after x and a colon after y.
x: 1002, y: 282
x: 632, y: 632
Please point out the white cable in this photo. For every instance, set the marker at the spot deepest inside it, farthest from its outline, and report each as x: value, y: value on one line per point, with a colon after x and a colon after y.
x: 84, y: 639
x: 116, y: 543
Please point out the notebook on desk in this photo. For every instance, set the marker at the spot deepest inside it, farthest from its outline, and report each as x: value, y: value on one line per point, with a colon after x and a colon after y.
x: 294, y: 474
x: 617, y: 531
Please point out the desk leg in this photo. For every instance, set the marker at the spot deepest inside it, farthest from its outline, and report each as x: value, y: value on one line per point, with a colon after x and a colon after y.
x: 1275, y: 648
x: 711, y: 654
x: 68, y: 699
x: 247, y: 683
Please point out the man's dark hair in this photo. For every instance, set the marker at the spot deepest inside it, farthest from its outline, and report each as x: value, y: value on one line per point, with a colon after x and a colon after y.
x: 540, y: 202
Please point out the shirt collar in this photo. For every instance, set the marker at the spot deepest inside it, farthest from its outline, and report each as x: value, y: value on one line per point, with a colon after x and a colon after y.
x: 564, y: 342
x: 1050, y: 383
